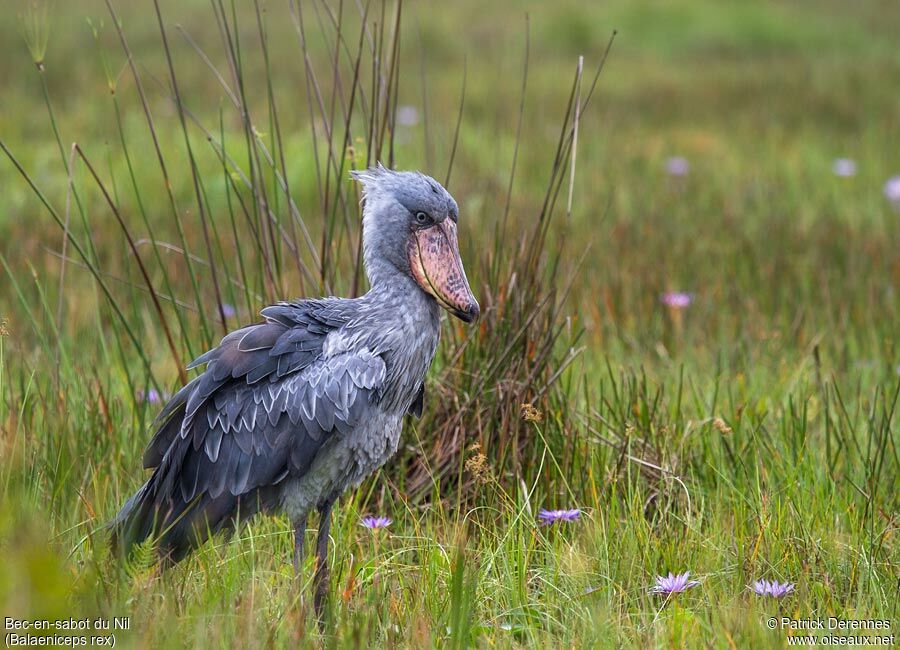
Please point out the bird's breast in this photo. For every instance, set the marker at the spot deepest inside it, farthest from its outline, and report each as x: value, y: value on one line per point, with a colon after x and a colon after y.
x: 407, y: 365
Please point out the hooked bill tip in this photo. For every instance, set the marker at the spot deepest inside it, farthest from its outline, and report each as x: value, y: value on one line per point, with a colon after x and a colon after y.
x: 469, y: 314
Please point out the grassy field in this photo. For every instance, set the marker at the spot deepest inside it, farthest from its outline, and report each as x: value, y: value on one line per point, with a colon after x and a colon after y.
x: 749, y: 432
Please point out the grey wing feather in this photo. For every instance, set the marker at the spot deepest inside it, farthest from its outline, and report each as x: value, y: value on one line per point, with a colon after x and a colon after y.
x: 292, y: 419
x: 228, y: 434
x: 251, y: 353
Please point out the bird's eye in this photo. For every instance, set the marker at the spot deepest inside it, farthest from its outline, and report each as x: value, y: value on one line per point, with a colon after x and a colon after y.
x: 421, y: 218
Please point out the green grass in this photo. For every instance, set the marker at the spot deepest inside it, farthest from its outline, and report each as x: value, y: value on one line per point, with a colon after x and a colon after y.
x: 753, y: 434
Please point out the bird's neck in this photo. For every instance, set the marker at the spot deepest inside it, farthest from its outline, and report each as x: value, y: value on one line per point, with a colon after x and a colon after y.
x: 381, y: 272
x: 404, y: 327
x: 398, y: 291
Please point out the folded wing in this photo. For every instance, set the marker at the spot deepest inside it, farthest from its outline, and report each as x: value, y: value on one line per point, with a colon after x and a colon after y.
x: 265, y: 405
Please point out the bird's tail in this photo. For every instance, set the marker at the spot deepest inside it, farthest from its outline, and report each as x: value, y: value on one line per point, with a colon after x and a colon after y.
x: 174, y: 526
x: 134, y: 523
x: 170, y: 525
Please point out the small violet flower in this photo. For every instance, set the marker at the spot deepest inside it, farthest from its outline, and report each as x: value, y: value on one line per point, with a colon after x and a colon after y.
x: 547, y: 517
x: 673, y: 584
x: 376, y: 523
x: 843, y: 167
x: 677, y: 299
x: 892, y: 191
x: 228, y: 310
x: 677, y: 166
x: 407, y: 115
x: 150, y: 396
x: 773, y: 589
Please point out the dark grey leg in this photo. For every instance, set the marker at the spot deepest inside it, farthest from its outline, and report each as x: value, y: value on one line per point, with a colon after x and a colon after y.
x: 321, y: 579
x: 299, y: 530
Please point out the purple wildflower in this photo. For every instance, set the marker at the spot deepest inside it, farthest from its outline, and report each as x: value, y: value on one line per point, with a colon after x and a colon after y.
x: 228, y: 310
x: 843, y: 167
x: 375, y: 523
x: 547, y: 517
x: 677, y: 299
x: 677, y: 166
x: 150, y: 396
x: 673, y: 584
x: 892, y: 191
x: 773, y: 589
x: 407, y: 115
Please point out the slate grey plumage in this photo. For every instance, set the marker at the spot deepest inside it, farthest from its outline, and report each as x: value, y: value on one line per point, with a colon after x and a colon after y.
x: 290, y: 412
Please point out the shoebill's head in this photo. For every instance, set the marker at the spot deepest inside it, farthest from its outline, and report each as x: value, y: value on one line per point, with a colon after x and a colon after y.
x: 409, y: 225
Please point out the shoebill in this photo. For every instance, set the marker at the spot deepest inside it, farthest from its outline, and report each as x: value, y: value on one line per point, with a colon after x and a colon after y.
x: 291, y: 412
